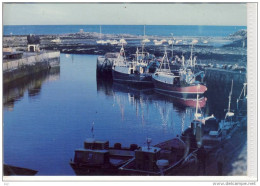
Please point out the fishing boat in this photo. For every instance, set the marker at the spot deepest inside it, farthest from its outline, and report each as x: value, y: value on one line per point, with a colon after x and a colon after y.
x: 211, y: 132
x: 134, y: 71
x: 165, y: 158
x: 145, y: 40
x: 105, y: 63
x: 57, y: 40
x: 97, y: 158
x: 179, y: 84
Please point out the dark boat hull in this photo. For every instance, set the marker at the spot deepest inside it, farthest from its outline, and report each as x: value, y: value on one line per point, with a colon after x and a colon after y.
x: 145, y: 78
x: 185, y: 92
x: 87, y: 170
x: 12, y: 170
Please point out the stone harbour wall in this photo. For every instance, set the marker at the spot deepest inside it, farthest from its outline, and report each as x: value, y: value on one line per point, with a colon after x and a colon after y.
x: 29, y: 64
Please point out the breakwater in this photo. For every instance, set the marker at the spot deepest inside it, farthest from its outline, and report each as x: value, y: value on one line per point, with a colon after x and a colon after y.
x: 214, y: 51
x: 30, y: 63
x: 221, y: 75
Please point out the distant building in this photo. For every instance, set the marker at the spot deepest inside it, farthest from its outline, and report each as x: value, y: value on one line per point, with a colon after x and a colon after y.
x: 33, y: 43
x: 81, y: 31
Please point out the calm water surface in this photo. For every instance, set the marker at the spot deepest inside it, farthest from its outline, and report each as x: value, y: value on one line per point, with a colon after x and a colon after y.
x: 48, y: 116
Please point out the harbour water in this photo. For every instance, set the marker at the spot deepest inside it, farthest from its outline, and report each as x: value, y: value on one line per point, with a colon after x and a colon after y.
x: 48, y: 117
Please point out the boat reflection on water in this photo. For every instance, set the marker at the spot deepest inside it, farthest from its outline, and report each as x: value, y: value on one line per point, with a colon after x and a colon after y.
x: 110, y: 88
x: 150, y: 106
x: 173, y: 114
x: 15, y: 90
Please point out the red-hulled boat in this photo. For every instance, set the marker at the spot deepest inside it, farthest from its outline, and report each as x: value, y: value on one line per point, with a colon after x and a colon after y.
x: 182, y: 84
x: 192, y: 102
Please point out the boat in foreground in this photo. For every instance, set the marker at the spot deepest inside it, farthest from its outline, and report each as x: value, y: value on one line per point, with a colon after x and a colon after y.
x: 97, y: 158
x: 10, y: 170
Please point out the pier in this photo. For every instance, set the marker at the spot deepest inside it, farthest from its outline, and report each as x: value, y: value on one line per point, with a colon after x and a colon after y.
x: 30, y: 63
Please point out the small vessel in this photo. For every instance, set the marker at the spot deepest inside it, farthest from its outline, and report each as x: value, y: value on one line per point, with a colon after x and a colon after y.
x: 100, y: 41
x: 211, y: 132
x: 156, y: 42
x: 170, y: 42
x: 10, y: 170
x: 97, y: 158
x: 145, y: 40
x: 114, y: 42
x: 56, y: 40
x: 105, y: 63
x: 163, y: 41
x: 122, y: 41
x: 162, y: 159
x: 178, y: 41
x: 135, y: 71
x: 194, y: 41
x: 179, y: 84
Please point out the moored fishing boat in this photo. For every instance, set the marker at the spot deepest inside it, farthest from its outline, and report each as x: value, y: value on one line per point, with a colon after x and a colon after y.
x: 165, y: 158
x: 105, y: 63
x: 211, y: 132
x: 180, y: 84
x: 135, y: 71
x: 97, y: 158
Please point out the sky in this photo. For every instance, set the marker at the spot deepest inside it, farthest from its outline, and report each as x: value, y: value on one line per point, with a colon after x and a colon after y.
x: 124, y: 14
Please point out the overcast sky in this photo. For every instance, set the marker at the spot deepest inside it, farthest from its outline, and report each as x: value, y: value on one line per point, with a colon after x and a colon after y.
x: 124, y: 14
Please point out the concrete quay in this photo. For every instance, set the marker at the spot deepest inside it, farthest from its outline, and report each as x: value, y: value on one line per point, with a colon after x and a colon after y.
x: 31, y: 62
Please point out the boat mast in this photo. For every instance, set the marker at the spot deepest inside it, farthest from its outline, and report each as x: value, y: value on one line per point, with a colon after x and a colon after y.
x: 191, y: 55
x: 229, y: 102
x: 229, y: 98
x: 143, y: 44
x: 183, y: 59
x: 165, y: 57
x: 142, y: 51
x: 242, y: 92
x: 144, y: 31
x: 137, y: 55
x: 100, y: 32
x: 197, y: 115
x: 122, y: 52
x: 172, y: 44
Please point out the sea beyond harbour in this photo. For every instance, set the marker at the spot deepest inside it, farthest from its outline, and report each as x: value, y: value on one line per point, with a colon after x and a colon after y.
x: 150, y: 30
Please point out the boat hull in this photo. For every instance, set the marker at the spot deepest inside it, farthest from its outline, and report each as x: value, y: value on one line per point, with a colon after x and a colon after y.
x: 185, y: 92
x: 87, y: 170
x: 145, y: 78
